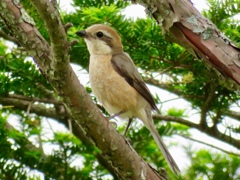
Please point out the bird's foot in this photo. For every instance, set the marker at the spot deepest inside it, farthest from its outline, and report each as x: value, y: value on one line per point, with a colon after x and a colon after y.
x: 115, y: 115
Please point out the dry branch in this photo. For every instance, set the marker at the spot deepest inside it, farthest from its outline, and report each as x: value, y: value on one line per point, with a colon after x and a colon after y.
x: 199, y: 36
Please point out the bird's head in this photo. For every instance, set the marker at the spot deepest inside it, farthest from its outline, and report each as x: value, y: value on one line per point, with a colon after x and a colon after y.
x: 101, y: 40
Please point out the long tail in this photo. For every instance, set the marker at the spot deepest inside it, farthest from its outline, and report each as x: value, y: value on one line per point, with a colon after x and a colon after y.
x: 172, y: 164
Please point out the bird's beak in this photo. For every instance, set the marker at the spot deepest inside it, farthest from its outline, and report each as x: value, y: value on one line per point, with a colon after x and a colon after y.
x: 82, y: 33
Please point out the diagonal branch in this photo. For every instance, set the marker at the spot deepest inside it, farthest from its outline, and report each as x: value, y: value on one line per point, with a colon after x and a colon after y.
x: 38, y: 109
x: 8, y: 37
x: 198, y: 35
x: 54, y: 64
x: 233, y: 114
x: 175, y: 119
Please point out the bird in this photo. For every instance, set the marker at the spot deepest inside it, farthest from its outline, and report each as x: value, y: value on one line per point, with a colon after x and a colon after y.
x: 117, y: 84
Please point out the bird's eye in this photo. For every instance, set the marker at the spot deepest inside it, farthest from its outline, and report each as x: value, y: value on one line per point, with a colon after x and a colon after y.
x: 99, y: 34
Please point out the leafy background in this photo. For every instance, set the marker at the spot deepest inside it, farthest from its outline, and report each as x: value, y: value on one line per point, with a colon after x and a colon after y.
x: 36, y: 139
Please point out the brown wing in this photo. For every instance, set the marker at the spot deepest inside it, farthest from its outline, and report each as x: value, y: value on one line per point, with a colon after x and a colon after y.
x: 125, y: 67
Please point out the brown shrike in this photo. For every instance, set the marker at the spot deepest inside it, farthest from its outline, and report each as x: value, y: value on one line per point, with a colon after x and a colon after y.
x: 117, y: 84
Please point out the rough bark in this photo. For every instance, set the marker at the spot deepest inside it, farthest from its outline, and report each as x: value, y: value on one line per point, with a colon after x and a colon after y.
x: 53, y: 62
x: 198, y: 35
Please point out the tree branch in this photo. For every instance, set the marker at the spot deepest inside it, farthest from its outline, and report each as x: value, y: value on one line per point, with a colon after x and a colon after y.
x: 9, y: 38
x: 41, y: 110
x: 175, y: 119
x: 49, y: 13
x: 38, y: 109
x: 210, y: 95
x: 217, y: 118
x: 211, y: 131
x: 233, y: 114
x: 32, y: 99
x: 198, y: 35
x: 62, y: 116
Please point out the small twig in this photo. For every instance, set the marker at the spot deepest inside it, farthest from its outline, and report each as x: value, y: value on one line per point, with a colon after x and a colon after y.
x: 115, y: 115
x: 184, y: 55
x: 73, y: 42
x: 40, y: 140
x: 67, y: 26
x: 44, y: 100
x: 70, y: 125
x: 50, y: 125
x: 210, y: 145
x: 162, y: 59
x: 9, y: 38
x: 29, y: 107
x: 233, y: 114
x: 47, y: 93
x: 173, y: 99
x: 5, y: 107
x: 166, y: 69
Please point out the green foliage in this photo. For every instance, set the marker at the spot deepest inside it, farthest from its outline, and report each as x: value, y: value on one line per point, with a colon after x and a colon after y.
x: 213, y: 166
x: 221, y: 13
x: 99, y: 3
x: 19, y: 156
x: 176, y: 112
x: 17, y: 70
x: 173, y: 68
